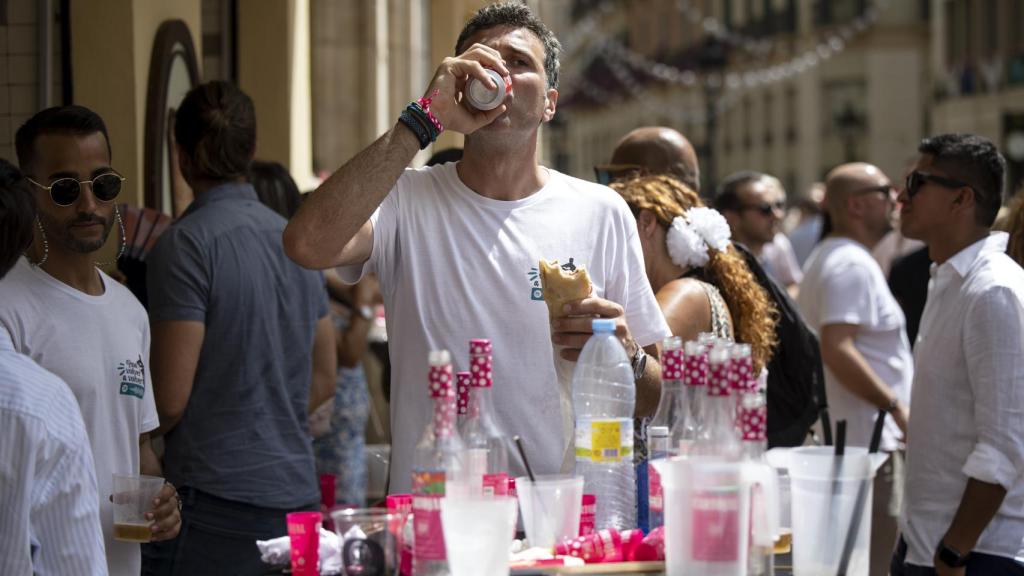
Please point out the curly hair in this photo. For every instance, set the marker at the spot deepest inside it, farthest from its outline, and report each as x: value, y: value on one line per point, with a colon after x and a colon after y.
x: 754, y: 315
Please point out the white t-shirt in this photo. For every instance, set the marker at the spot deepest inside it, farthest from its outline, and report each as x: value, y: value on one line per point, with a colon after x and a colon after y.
x: 779, y: 260
x: 843, y: 284
x: 99, y: 345
x: 454, y: 265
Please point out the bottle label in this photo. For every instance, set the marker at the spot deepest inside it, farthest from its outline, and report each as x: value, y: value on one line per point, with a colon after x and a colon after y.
x: 715, y: 527
x: 496, y: 484
x: 588, y: 514
x: 604, y: 441
x: 655, y: 498
x: 428, y: 489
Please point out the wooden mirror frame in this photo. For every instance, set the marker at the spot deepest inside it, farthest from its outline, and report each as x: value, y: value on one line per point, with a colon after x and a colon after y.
x: 170, y: 34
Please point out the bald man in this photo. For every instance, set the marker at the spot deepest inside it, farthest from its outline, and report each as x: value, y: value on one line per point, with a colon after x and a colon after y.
x: 653, y: 150
x: 868, y: 365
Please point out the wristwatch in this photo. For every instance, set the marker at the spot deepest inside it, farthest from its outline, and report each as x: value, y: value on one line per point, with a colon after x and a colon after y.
x: 951, y: 556
x: 639, y: 362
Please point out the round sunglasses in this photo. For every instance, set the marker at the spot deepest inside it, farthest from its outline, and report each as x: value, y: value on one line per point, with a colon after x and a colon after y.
x: 65, y: 191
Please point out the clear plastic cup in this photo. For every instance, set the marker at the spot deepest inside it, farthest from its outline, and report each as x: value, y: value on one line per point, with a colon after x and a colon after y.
x: 133, y: 498
x: 370, y: 540
x: 551, y: 508
x: 478, y: 534
x: 826, y: 493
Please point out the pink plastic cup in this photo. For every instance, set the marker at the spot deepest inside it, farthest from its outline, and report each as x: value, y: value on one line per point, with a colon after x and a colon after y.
x: 304, y: 533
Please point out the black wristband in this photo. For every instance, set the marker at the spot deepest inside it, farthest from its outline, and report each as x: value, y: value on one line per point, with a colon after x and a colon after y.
x: 416, y: 128
x: 420, y: 114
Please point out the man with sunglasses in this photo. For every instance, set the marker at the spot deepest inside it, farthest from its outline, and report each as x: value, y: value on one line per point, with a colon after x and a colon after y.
x: 754, y: 205
x: 964, y: 506
x: 845, y: 299
x: 64, y: 312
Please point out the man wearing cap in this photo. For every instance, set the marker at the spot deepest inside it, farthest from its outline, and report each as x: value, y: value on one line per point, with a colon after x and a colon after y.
x: 456, y: 246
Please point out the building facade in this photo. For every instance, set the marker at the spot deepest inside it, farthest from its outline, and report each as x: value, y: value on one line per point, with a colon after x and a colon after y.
x: 787, y: 87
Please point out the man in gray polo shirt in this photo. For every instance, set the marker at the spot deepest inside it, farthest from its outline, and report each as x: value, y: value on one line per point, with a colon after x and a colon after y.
x: 233, y: 323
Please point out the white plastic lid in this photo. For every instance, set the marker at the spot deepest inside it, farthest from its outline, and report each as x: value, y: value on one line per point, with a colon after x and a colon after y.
x: 694, y: 348
x: 657, y: 431
x: 439, y: 358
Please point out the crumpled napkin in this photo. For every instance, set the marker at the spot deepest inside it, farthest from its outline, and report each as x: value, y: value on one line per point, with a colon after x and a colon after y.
x: 278, y: 551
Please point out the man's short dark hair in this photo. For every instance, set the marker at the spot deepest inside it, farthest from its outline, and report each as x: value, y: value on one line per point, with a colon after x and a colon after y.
x: 72, y: 120
x: 17, y: 213
x: 518, y: 15
x: 728, y: 195
x: 216, y: 127
x: 974, y: 160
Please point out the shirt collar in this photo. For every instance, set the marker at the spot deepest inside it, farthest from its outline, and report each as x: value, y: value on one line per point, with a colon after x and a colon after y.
x: 6, y: 345
x: 964, y: 259
x: 227, y: 191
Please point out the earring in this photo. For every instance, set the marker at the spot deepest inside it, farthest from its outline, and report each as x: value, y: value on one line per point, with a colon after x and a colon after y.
x: 120, y: 252
x: 46, y: 244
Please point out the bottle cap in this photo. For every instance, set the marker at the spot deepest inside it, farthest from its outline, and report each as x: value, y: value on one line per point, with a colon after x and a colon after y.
x: 602, y: 325
x: 657, y: 431
x: 672, y: 343
x: 481, y: 365
x: 462, y: 381
x: 439, y: 377
x: 672, y: 364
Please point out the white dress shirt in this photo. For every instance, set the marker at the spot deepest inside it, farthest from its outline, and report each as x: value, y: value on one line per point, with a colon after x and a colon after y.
x: 967, y: 404
x: 50, y: 521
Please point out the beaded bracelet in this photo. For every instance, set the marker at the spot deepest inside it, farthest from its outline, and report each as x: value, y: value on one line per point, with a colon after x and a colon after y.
x: 424, y: 104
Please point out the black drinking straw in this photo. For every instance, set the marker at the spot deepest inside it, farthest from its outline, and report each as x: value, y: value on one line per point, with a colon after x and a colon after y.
x: 522, y: 454
x: 837, y: 464
x: 862, y: 496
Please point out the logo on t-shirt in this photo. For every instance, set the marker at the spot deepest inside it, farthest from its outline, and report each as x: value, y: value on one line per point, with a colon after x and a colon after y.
x: 133, y: 377
x: 536, y: 290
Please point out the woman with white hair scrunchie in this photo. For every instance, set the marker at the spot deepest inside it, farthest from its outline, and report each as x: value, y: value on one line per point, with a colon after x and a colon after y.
x: 700, y: 281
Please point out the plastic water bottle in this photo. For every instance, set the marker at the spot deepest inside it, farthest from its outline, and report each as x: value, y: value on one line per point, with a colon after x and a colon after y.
x: 486, y: 444
x: 603, y: 396
x: 439, y: 461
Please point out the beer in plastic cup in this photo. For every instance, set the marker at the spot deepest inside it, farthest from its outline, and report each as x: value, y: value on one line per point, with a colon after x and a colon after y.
x: 133, y: 499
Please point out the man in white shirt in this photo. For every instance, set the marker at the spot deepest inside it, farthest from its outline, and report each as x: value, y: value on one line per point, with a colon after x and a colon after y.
x: 964, y: 506
x: 50, y: 522
x: 61, y: 310
x: 845, y: 299
x: 456, y: 246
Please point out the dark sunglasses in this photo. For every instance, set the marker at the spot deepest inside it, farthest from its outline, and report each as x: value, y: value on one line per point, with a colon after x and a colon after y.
x: 916, y: 179
x: 766, y: 208
x: 65, y: 191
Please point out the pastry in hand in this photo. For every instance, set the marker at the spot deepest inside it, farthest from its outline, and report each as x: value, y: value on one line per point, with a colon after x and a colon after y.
x: 563, y: 284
